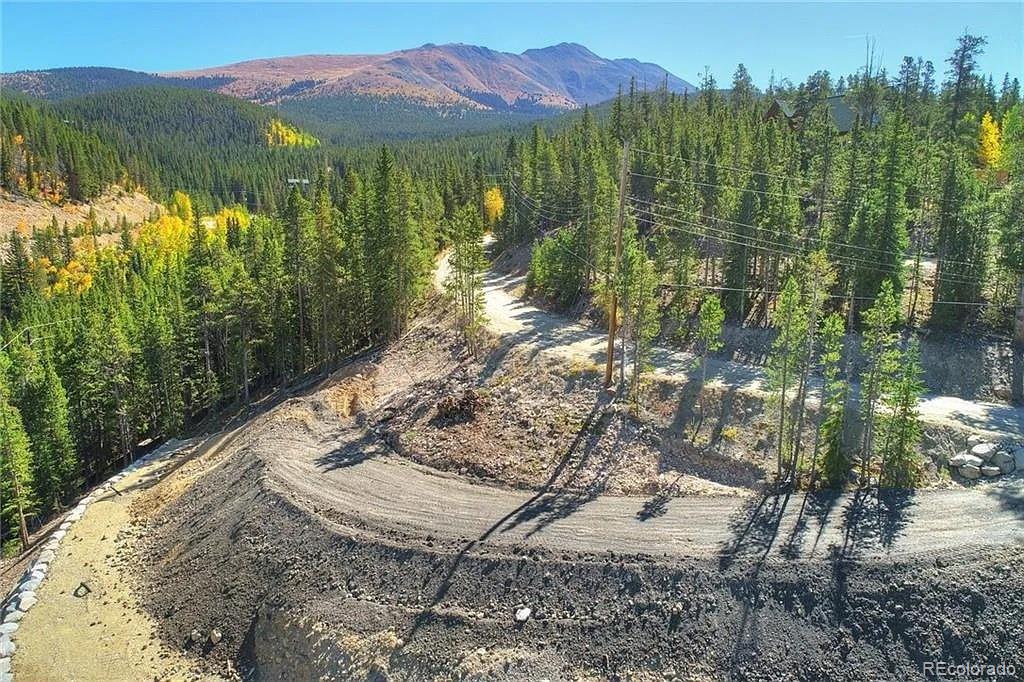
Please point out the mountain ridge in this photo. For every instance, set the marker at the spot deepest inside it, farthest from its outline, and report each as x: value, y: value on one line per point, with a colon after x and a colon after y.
x: 562, y: 76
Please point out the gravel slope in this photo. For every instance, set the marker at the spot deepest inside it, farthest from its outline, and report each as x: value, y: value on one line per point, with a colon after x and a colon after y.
x: 319, y: 555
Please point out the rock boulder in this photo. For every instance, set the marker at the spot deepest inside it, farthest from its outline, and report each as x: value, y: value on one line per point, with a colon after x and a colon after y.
x: 970, y: 471
x: 984, y: 450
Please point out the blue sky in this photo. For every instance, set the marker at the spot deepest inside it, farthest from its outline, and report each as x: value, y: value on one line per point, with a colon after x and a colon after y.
x: 791, y: 39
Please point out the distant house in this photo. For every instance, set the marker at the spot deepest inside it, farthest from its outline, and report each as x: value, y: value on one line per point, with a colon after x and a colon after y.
x: 843, y: 115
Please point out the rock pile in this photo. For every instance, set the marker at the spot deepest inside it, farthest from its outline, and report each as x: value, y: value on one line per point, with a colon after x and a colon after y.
x: 984, y: 459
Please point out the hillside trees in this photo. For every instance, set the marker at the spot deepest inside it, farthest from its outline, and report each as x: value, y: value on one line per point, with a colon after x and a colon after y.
x: 17, y: 493
x: 465, y: 278
x: 190, y: 314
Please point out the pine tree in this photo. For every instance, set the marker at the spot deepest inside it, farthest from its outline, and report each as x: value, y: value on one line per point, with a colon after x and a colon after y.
x: 17, y: 499
x: 785, y: 365
x: 835, y: 464
x: 901, y: 427
x: 640, y: 304
x: 465, y: 278
x: 881, y: 360
x: 710, y: 323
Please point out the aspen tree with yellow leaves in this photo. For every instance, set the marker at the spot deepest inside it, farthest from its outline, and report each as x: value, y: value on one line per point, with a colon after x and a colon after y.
x: 990, y: 144
x: 494, y: 206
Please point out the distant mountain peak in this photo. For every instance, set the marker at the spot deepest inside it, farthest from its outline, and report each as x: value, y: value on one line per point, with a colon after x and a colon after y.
x: 562, y: 76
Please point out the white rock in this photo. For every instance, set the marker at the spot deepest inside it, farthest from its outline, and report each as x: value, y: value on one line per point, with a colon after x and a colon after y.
x: 8, y: 628
x: 31, y: 584
x: 5, y: 664
x: 46, y: 556
x: 970, y: 471
x: 984, y: 450
x: 974, y: 439
x: 965, y: 459
x: 522, y: 614
x: 14, y: 616
x: 990, y: 470
x: 27, y: 600
x: 7, y: 647
x: 59, y: 534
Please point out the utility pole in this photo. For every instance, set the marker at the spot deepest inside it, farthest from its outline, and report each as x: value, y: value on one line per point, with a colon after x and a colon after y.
x: 1019, y: 335
x: 613, y: 308
x: 1017, y: 392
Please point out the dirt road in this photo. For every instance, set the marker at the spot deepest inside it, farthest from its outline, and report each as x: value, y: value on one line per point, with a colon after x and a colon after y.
x: 518, y: 322
x: 387, y: 492
x: 88, y: 624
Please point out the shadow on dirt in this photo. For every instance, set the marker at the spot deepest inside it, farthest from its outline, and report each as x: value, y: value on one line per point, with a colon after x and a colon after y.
x: 868, y: 518
x: 350, y: 453
x: 556, y: 499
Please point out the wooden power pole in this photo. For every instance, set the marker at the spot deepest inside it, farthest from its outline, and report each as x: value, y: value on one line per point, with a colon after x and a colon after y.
x: 613, y: 308
x: 1019, y: 332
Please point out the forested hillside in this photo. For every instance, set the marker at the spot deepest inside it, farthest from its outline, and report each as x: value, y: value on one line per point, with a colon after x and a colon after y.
x: 874, y: 203
x: 731, y: 196
x: 104, y: 348
x: 350, y: 120
x: 41, y: 154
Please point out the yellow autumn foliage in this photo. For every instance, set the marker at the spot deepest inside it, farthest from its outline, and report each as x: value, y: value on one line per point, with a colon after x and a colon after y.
x: 280, y: 134
x: 239, y: 213
x: 990, y: 145
x: 181, y: 205
x: 72, y: 278
x: 494, y: 206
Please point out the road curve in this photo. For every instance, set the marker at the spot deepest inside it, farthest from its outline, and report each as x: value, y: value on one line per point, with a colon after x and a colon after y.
x: 389, y: 493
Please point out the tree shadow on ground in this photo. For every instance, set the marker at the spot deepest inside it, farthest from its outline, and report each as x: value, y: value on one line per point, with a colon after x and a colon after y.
x: 816, y: 507
x: 350, y: 453
x: 554, y: 500
x: 564, y: 492
x: 658, y: 505
x: 754, y: 528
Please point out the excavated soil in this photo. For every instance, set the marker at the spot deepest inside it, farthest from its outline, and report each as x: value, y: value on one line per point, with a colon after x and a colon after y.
x: 299, y: 588
x: 302, y: 592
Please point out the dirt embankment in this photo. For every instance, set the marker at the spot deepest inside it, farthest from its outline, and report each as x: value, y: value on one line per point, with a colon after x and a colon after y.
x: 19, y: 212
x: 298, y: 589
x: 299, y: 585
x: 89, y: 624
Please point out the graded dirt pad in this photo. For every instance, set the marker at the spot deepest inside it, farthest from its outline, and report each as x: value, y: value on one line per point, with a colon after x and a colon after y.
x: 536, y: 422
x: 88, y: 623
x: 315, y: 551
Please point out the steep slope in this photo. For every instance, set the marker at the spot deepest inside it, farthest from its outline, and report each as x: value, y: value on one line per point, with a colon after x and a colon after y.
x: 561, y: 76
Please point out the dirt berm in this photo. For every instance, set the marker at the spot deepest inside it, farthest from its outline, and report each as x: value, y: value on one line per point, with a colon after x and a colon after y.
x: 299, y: 588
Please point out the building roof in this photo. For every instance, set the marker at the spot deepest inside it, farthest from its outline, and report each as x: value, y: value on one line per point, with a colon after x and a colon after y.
x: 843, y: 115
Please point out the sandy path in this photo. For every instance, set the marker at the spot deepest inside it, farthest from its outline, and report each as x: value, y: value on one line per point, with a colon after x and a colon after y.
x: 520, y: 323
x: 88, y: 623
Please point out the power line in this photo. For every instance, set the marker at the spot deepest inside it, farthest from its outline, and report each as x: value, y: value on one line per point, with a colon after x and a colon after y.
x: 848, y: 261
